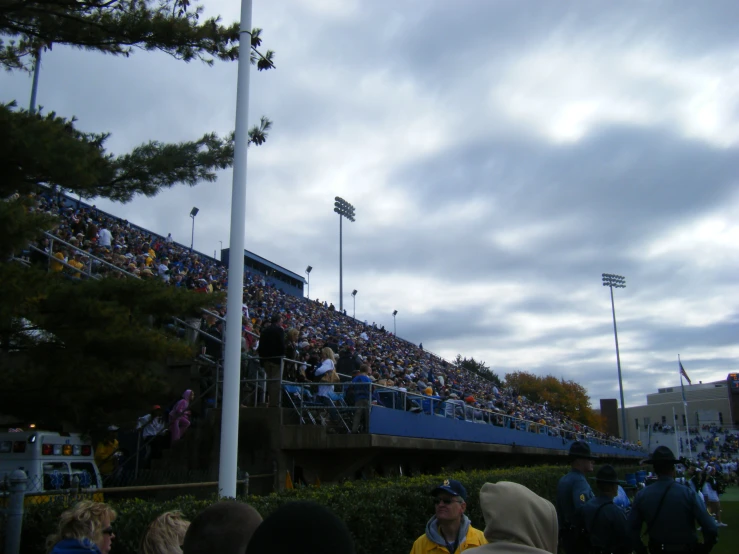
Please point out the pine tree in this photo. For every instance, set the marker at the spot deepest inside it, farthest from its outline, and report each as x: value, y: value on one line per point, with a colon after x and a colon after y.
x: 78, y: 351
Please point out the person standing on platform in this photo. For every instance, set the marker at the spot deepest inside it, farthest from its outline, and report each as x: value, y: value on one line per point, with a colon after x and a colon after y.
x: 573, y: 491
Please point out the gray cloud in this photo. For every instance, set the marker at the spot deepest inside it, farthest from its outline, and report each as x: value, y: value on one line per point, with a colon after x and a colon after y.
x: 501, y: 156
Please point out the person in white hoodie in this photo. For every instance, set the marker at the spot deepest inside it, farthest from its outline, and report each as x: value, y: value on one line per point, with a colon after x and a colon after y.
x: 517, y: 520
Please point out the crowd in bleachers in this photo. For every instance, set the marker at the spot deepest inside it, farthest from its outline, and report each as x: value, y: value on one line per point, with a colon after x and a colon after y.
x: 394, y: 363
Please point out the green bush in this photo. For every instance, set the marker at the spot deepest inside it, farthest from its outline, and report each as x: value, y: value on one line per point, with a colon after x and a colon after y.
x: 383, y: 515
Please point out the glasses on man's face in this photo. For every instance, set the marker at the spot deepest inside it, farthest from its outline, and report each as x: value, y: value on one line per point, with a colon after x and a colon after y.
x: 108, y: 531
x: 446, y: 501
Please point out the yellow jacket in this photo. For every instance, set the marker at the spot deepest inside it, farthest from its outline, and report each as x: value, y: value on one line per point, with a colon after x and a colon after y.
x: 104, y: 456
x: 424, y: 545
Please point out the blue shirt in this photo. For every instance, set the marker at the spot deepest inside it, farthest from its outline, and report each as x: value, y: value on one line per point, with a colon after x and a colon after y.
x: 573, y: 491
x: 675, y: 522
x: 361, y: 392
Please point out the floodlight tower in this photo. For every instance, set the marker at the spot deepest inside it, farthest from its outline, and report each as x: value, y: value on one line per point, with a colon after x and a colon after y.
x: 345, y: 210
x: 307, y: 272
x: 193, y: 213
x: 395, y: 328
x: 354, y: 297
x: 619, y: 282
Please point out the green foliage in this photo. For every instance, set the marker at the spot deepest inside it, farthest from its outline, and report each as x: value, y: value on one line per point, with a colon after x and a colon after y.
x: 479, y: 368
x: 384, y: 516
x: 566, y: 397
x: 76, y: 352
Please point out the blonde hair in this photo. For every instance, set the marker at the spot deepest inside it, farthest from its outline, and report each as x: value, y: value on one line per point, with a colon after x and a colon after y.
x: 326, y: 351
x: 293, y: 334
x: 165, y: 534
x: 82, y: 521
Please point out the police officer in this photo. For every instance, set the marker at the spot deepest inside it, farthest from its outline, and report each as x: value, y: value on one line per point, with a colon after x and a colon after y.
x: 603, y: 521
x: 573, y: 491
x: 670, y: 512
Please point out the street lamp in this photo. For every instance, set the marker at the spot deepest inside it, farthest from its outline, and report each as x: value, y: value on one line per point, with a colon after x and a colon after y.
x: 619, y: 282
x: 308, y: 270
x: 354, y: 297
x: 395, y: 328
x: 193, y: 213
x: 345, y: 210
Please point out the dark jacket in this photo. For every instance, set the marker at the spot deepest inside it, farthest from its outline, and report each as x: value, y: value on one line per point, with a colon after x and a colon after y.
x: 272, y: 342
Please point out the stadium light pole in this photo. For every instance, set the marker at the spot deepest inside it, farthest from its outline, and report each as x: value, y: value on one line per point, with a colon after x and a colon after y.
x: 354, y: 297
x: 221, y: 251
x: 619, y: 282
x: 345, y: 210
x: 229, y: 447
x: 395, y: 328
x: 193, y: 213
x: 307, y: 271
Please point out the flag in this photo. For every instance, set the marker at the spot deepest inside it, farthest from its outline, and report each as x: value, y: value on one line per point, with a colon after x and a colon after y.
x: 683, y: 373
x: 682, y: 386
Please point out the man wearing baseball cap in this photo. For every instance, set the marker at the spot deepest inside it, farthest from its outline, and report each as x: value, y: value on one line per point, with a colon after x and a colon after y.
x: 670, y: 512
x: 573, y: 491
x: 449, y: 531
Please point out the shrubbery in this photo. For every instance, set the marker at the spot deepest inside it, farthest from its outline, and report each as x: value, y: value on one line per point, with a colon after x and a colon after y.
x: 384, y: 515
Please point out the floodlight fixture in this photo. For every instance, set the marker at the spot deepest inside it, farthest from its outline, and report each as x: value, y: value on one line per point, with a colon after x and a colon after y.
x: 193, y: 213
x: 345, y: 210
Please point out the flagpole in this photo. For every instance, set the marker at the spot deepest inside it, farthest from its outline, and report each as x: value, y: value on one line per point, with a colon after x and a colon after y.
x: 685, y: 406
x: 234, y: 315
x: 674, y: 426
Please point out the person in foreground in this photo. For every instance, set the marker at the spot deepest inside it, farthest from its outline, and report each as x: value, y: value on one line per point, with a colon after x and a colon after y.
x: 165, y: 534
x: 449, y: 530
x: 225, y: 527
x: 573, y: 491
x: 604, y: 521
x: 670, y: 512
x: 517, y: 521
x: 301, y: 528
x: 83, y: 529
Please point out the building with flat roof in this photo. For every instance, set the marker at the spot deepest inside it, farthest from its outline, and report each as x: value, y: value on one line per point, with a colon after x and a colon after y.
x: 706, y: 404
x: 283, y: 279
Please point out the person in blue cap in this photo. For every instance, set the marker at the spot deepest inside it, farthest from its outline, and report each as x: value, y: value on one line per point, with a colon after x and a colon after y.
x: 449, y: 531
x: 602, y: 519
x: 670, y: 512
x: 573, y: 491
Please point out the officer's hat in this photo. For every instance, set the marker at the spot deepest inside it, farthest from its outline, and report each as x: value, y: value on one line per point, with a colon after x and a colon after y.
x: 607, y: 474
x: 580, y: 450
x: 661, y: 455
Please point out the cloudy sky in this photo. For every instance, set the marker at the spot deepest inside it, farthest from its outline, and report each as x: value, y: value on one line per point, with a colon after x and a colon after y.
x: 501, y: 155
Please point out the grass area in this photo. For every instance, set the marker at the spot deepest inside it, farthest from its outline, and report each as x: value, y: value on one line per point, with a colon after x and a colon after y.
x: 728, y: 537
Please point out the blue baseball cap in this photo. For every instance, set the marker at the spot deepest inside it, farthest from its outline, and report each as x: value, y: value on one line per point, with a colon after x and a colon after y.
x: 450, y: 486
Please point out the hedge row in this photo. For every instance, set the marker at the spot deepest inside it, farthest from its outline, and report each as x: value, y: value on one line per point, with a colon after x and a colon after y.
x: 383, y: 515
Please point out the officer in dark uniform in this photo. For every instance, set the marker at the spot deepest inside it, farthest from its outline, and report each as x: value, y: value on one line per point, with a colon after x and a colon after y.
x: 603, y: 521
x: 573, y: 491
x: 670, y: 512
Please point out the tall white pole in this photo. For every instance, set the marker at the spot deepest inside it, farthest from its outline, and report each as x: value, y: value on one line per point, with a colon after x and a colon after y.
x: 232, y: 367
x: 677, y: 435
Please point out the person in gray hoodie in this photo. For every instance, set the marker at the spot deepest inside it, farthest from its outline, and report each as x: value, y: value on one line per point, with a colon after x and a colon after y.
x: 517, y: 520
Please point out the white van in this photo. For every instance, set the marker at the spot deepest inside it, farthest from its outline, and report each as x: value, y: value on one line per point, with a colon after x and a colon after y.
x: 52, y: 461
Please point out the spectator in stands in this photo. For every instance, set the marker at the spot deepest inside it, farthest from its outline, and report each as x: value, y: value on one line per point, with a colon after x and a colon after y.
x: 153, y: 431
x: 179, y: 416
x: 301, y: 527
x: 361, y: 385
x: 517, y: 520
x: 105, y: 237
x: 165, y: 534
x: 327, y: 372
x: 225, y: 527
x: 106, y: 452
x: 449, y: 528
x: 271, y: 350
x: 292, y: 352
x: 84, y: 528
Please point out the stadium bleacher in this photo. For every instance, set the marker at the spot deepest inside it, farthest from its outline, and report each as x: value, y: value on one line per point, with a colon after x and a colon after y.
x: 434, y: 386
